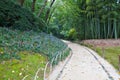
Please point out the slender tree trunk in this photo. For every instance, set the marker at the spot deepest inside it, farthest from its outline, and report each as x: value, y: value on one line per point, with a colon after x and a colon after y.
x: 33, y: 6
x: 112, y: 32
x: 42, y: 8
x: 108, y: 31
x: 105, y: 31
x: 92, y: 34
x: 115, y: 30
x: 84, y: 32
x: 96, y: 30
x: 48, y: 11
x: 118, y: 28
x: 98, y: 27
x: 102, y: 31
x: 92, y: 28
x: 51, y: 15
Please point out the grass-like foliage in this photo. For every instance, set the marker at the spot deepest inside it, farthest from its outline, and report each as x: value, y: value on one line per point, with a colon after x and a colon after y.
x: 25, y: 68
x: 111, y: 55
x: 16, y: 17
x: 14, y: 41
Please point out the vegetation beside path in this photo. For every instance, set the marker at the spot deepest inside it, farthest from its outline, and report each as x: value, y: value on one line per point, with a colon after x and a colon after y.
x: 24, y: 47
x: 108, y: 49
x: 111, y: 55
x: 27, y: 28
x: 23, y: 52
x: 28, y: 65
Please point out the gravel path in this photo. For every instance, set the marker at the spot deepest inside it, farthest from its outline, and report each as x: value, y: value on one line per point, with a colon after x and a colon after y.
x: 85, y: 64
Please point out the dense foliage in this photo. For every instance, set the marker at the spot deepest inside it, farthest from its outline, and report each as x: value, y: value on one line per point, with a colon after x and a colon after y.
x: 14, y: 16
x: 18, y: 17
x: 14, y: 41
x: 91, y: 19
x: 23, y: 48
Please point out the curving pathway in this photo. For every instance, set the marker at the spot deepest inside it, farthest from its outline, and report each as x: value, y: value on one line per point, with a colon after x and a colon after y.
x: 85, y: 64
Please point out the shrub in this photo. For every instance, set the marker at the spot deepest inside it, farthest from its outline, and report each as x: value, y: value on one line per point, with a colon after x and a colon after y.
x: 72, y: 34
x: 16, y: 17
x: 14, y: 41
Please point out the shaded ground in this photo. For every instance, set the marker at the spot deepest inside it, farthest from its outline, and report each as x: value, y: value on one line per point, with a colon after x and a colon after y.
x: 103, y: 42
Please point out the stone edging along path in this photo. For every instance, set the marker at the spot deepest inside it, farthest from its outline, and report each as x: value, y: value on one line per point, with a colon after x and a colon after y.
x: 85, y: 64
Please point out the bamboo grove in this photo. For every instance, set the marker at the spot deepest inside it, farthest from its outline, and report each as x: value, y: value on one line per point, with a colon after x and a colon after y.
x: 101, y: 19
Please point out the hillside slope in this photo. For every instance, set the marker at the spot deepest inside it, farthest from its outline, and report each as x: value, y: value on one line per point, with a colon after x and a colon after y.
x: 24, y: 48
x: 14, y: 41
x: 22, y: 53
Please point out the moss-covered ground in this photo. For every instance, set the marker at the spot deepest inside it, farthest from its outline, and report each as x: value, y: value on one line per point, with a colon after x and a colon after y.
x: 28, y: 65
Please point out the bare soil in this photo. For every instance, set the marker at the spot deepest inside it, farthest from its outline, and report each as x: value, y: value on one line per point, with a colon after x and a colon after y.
x: 103, y: 42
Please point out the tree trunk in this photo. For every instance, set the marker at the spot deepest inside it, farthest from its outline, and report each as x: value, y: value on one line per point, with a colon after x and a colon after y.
x: 105, y: 31
x: 50, y: 15
x: 48, y: 11
x: 115, y: 30
x: 92, y: 28
x: 33, y: 6
x: 98, y: 27
x: 108, y: 31
x: 42, y: 8
x: 95, y: 24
